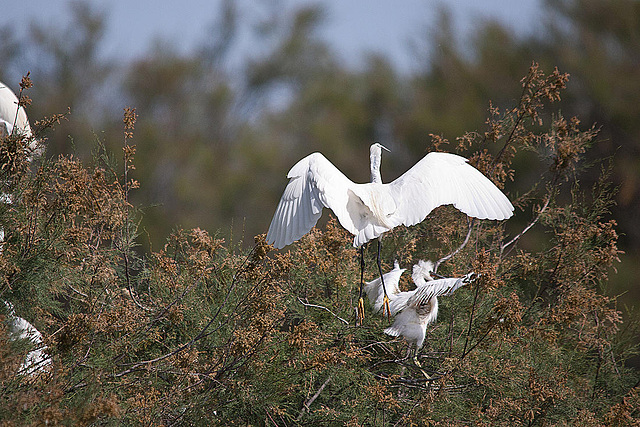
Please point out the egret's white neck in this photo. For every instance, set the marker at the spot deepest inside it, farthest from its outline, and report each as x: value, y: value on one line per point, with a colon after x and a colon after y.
x: 419, y: 280
x: 374, y: 157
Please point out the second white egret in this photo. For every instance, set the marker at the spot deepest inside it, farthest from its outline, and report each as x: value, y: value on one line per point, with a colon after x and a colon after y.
x: 417, y: 309
x: 414, y: 310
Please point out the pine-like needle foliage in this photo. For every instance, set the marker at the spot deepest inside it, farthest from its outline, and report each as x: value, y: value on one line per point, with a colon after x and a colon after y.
x: 204, y: 332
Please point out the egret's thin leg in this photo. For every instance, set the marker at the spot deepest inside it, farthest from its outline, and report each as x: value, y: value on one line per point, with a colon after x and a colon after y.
x: 360, y: 318
x: 385, y: 306
x: 419, y: 366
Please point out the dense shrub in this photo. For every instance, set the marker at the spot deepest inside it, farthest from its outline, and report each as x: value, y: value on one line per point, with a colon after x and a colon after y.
x: 205, y: 332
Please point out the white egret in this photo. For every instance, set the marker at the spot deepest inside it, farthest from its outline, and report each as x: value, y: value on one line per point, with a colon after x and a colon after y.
x: 36, y: 360
x: 415, y: 309
x: 369, y: 210
x: 418, y: 308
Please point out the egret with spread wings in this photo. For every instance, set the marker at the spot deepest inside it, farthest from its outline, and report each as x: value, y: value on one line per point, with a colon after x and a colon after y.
x: 369, y: 210
x: 414, y: 310
x: 417, y: 309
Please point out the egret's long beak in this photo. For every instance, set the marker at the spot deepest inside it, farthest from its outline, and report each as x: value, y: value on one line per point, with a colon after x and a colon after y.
x: 385, y: 147
x: 433, y: 273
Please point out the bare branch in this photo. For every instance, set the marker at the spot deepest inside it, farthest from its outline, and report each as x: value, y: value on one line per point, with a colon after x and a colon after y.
x: 473, y: 310
x: 528, y: 227
x: 308, y: 403
x: 452, y: 254
x: 78, y: 292
x: 551, y: 188
x: 323, y: 308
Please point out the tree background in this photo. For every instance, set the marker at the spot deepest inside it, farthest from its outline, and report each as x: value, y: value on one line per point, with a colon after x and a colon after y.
x: 212, y: 149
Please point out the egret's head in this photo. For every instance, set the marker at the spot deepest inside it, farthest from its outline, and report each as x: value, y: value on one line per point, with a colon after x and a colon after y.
x: 376, y: 149
x: 423, y: 269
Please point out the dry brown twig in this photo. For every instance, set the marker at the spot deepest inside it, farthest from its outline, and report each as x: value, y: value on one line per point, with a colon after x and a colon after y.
x: 308, y: 403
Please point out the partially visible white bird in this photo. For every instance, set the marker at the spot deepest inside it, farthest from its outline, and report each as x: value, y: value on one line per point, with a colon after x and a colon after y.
x: 13, y: 120
x: 36, y: 360
x: 12, y: 116
x: 369, y: 210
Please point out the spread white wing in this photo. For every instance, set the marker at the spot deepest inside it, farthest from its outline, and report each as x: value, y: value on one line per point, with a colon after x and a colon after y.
x: 441, y: 179
x: 419, y: 308
x: 314, y: 183
x: 435, y: 288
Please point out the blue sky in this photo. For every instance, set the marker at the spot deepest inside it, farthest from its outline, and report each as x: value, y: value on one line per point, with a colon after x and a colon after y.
x: 353, y: 27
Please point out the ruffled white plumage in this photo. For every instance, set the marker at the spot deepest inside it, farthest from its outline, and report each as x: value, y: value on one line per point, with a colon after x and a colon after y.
x: 416, y: 309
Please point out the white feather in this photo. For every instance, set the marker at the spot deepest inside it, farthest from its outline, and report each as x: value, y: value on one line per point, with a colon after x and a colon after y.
x: 374, y: 290
x: 13, y: 119
x: 37, y: 359
x: 6, y: 128
x: 11, y: 113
